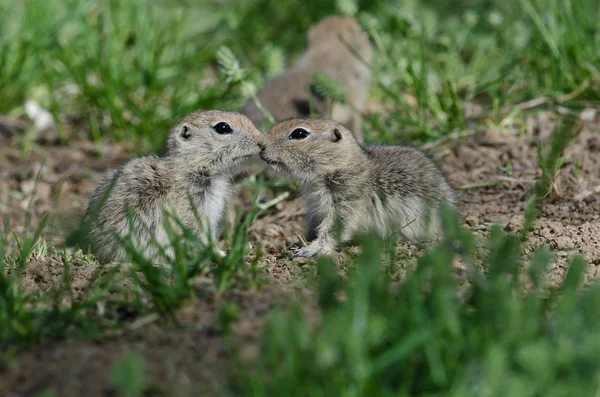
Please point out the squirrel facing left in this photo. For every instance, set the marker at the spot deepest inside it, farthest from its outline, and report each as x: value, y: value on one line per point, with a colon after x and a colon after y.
x: 380, y: 188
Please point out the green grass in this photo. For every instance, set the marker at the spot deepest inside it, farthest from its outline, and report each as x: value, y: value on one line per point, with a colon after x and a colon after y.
x: 118, y: 70
x: 506, y: 335
x: 128, y: 375
x: 26, y: 319
x: 126, y: 70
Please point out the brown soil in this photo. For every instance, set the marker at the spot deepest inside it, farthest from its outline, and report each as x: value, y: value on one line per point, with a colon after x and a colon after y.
x: 186, y: 360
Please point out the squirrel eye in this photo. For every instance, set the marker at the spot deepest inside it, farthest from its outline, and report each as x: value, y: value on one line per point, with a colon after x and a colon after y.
x: 223, y: 128
x: 299, y: 133
x: 185, y: 132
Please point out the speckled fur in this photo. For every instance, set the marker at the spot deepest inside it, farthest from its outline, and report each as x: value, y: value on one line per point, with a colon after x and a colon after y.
x: 287, y: 95
x: 197, y: 168
x: 378, y: 189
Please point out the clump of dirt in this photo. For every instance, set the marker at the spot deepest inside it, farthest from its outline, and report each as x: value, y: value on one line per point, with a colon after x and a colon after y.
x: 52, y: 179
x: 43, y: 274
x: 508, y: 164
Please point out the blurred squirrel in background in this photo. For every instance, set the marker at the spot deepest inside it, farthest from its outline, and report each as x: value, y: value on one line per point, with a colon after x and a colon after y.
x: 337, y: 47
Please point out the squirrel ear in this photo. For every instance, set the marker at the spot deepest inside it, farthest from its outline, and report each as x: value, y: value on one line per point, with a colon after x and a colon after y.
x: 185, y: 132
x: 336, y: 135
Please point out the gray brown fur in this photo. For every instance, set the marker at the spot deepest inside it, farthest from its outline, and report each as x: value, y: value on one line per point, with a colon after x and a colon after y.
x: 196, y: 166
x: 287, y: 95
x: 379, y: 189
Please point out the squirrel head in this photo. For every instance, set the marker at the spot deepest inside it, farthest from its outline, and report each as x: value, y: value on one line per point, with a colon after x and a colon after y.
x: 339, y: 32
x: 214, y: 140
x: 309, y: 149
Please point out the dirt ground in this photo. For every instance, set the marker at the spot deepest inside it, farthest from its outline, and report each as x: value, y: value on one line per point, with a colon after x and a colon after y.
x: 188, y: 360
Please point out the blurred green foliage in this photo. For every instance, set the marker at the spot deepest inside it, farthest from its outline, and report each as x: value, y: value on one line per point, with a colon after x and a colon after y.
x: 504, y: 335
x: 128, y: 69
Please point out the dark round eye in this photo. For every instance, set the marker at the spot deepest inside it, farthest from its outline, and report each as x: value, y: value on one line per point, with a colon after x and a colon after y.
x: 222, y: 128
x: 299, y: 133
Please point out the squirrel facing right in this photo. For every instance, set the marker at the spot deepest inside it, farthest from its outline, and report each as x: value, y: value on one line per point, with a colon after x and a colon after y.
x: 338, y: 47
x: 190, y: 182
x: 377, y: 189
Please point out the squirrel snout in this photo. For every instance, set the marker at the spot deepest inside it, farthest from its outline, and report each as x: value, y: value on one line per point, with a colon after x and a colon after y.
x: 261, y: 146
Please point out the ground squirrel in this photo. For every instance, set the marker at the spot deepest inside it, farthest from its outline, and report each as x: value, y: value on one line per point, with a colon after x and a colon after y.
x: 202, y: 150
x: 287, y: 95
x: 378, y: 189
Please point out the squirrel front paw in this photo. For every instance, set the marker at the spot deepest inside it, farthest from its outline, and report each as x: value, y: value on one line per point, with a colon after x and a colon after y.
x: 313, y: 250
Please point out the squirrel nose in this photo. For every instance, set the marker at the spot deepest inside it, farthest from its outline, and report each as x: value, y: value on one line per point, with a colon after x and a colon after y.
x: 261, y: 146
